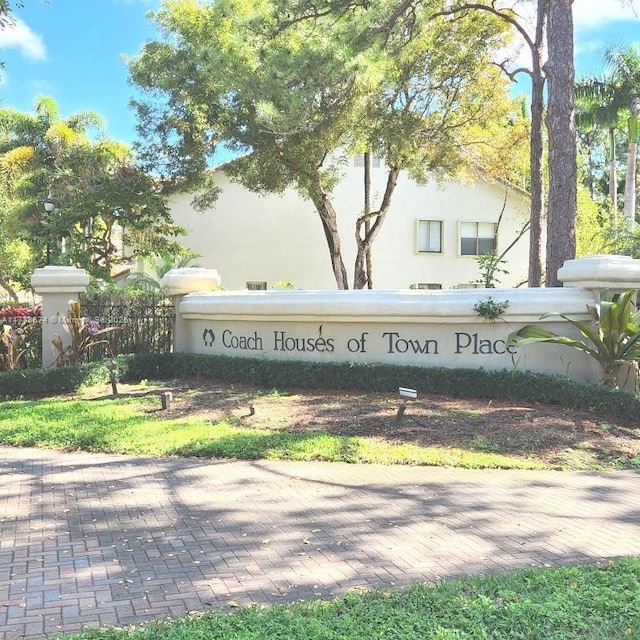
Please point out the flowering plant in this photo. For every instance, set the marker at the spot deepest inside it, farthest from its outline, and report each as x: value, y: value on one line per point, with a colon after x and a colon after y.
x: 19, y: 312
x: 13, y: 343
x: 84, y: 334
x: 19, y: 335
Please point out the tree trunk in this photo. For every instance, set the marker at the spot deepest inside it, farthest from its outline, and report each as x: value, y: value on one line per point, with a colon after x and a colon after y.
x: 363, y: 268
x: 560, y: 73
x: 365, y: 241
x: 536, y: 150
x: 329, y: 220
x: 6, y: 285
x: 630, y: 182
x: 632, y: 160
x: 613, y: 173
x: 367, y: 210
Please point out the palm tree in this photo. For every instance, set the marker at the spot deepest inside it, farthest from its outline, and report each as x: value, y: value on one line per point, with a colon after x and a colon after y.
x: 151, y: 271
x: 625, y: 75
x: 615, y: 98
x: 32, y: 147
x: 595, y: 110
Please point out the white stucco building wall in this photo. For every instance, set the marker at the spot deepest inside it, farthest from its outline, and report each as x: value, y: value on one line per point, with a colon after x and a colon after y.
x: 253, y: 238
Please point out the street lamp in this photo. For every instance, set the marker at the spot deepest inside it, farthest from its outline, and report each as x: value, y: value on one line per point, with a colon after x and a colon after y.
x: 49, y: 206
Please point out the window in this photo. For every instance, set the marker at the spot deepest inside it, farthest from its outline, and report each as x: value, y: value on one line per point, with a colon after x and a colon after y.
x: 427, y: 285
x: 477, y: 238
x: 358, y: 161
x: 256, y: 285
x: 429, y: 236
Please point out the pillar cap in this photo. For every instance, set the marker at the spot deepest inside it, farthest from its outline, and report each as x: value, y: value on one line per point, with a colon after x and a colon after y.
x: 177, y: 282
x: 601, y: 272
x: 57, y: 279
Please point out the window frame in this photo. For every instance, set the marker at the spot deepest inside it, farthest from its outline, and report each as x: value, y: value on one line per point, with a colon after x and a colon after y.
x: 477, y: 238
x: 429, y: 222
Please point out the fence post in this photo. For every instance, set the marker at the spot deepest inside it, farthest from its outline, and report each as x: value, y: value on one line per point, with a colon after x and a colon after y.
x: 176, y: 284
x: 57, y: 285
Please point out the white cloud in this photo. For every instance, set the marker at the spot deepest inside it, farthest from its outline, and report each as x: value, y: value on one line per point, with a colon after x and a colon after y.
x: 591, y: 14
x: 18, y: 35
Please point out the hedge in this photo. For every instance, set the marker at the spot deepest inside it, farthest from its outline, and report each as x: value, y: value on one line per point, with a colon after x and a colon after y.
x: 611, y: 404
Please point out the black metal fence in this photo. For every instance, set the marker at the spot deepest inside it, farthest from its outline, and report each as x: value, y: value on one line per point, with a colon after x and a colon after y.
x: 144, y: 323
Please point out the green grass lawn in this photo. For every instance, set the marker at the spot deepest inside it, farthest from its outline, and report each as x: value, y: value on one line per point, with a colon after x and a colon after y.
x: 131, y: 426
x: 592, y: 602
x: 571, y: 603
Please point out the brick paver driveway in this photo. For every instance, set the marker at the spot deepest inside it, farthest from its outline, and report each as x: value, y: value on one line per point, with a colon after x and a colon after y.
x: 90, y: 540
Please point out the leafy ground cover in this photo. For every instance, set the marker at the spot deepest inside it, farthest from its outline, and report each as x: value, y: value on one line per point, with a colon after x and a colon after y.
x: 587, y: 602
x: 240, y: 421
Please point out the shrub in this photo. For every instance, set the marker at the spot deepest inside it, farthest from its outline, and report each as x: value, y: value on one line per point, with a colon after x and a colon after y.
x: 20, y: 337
x: 612, y: 336
x: 476, y: 383
x: 471, y: 383
x: 41, y: 382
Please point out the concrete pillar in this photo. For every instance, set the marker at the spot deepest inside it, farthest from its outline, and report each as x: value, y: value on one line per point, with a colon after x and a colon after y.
x: 57, y: 285
x: 177, y: 283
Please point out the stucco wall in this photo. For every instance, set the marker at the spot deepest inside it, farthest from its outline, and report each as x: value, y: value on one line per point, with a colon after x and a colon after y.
x: 420, y: 328
x: 249, y: 237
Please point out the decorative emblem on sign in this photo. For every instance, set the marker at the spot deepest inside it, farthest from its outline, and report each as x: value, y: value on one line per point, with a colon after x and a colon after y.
x: 208, y: 337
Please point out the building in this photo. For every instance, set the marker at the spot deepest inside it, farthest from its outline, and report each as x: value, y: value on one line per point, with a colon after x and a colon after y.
x: 429, y: 239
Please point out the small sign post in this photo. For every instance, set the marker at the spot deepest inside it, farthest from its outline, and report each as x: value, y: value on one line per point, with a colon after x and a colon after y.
x: 406, y: 394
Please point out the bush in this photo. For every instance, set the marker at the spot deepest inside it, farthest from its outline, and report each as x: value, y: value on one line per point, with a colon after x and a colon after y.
x: 41, y: 382
x: 21, y: 344
x: 472, y: 383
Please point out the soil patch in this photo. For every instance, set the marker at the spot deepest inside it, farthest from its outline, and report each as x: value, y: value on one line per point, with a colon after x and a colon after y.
x: 559, y: 437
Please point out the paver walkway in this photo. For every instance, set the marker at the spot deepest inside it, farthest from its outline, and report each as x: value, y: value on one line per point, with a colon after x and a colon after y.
x: 90, y: 540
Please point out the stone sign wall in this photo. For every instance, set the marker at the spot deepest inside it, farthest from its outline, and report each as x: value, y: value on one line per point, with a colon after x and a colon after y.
x: 419, y: 328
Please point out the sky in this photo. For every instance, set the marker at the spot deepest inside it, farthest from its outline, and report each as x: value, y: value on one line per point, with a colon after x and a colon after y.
x: 72, y: 50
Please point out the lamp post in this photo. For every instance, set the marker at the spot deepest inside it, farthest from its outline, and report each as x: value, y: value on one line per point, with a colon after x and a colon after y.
x: 49, y: 206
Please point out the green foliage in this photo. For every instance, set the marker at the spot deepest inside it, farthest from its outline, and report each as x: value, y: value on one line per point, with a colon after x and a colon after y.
x: 612, y: 336
x: 621, y: 237
x: 145, y: 319
x: 13, y: 343
x: 477, y: 383
x: 592, y: 228
x: 283, y: 284
x: 490, y: 265
x: 299, y: 98
x: 473, y: 383
x: 126, y: 426
x: 84, y: 335
x: 95, y: 185
x: 153, y: 269
x: 611, y: 102
x: 490, y: 309
x: 567, y: 603
x: 20, y: 336
x: 41, y: 382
